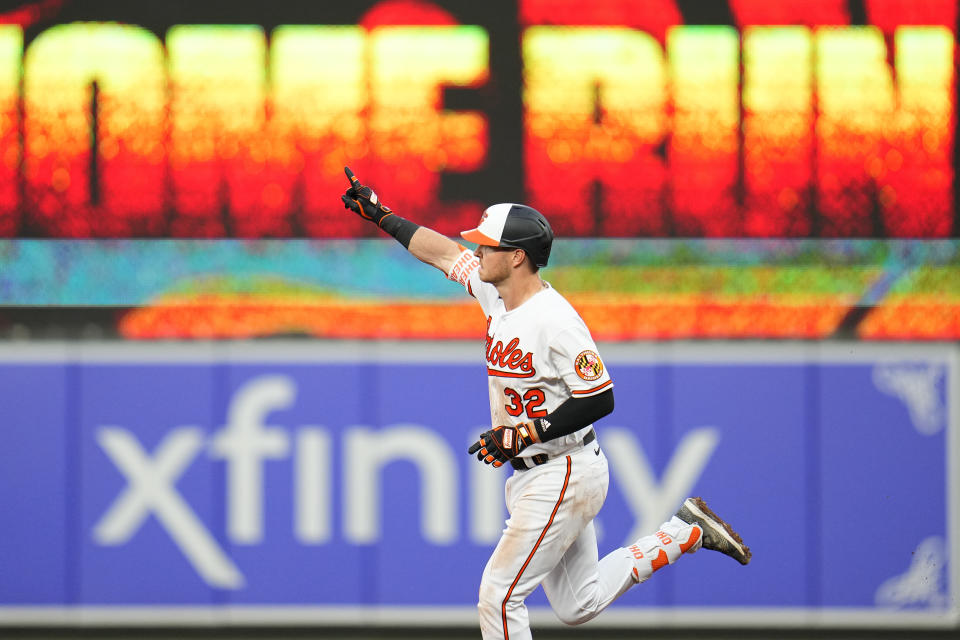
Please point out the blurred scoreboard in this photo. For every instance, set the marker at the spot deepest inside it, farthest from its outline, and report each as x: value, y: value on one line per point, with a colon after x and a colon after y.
x: 617, y: 118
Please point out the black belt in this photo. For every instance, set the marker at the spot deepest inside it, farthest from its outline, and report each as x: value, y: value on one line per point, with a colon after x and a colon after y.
x: 522, y: 464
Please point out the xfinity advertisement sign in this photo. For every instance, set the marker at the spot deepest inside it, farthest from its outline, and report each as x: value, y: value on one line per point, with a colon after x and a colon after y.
x: 287, y: 482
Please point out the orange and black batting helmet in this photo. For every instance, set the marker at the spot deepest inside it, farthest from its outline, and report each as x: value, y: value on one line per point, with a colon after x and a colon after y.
x: 514, y: 226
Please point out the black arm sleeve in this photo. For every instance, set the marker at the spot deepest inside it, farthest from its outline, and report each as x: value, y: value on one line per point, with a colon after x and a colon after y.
x: 573, y: 415
x: 400, y: 228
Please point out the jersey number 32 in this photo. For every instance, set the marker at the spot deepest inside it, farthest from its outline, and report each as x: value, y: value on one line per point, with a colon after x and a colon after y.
x: 531, y: 401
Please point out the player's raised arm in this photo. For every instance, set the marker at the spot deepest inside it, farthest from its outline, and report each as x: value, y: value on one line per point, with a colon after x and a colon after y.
x: 425, y: 244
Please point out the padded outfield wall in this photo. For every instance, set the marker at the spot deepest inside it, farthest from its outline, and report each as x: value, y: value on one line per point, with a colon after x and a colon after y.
x: 295, y: 484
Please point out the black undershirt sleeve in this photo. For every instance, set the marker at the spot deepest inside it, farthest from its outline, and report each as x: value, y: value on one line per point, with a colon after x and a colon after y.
x: 573, y: 415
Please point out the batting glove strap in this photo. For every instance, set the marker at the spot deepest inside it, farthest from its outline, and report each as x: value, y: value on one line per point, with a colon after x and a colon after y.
x: 502, y: 443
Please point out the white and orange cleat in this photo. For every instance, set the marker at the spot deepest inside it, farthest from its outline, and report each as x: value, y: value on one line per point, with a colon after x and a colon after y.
x: 717, y: 534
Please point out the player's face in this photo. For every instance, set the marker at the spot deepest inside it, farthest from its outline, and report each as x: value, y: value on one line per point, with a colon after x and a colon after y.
x: 496, y: 263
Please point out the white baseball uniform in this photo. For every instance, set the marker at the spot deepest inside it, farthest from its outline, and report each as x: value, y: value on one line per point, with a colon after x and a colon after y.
x: 539, y: 355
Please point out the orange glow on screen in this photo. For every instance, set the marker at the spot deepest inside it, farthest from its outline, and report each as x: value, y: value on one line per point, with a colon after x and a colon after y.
x: 280, y: 146
x: 623, y: 318
x: 654, y: 17
x: 411, y: 138
x: 11, y: 44
x: 594, y: 129
x: 777, y: 130
x: 871, y: 133
x: 218, y: 89
x: 60, y: 68
x: 317, y: 121
x: 888, y: 15
x: 809, y: 13
x: 704, y: 75
x: 835, y: 140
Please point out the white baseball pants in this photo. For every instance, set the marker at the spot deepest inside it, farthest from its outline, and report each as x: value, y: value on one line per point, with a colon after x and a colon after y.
x: 550, y: 539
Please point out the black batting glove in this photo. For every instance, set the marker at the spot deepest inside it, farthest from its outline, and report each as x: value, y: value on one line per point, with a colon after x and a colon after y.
x: 363, y: 201
x: 503, y: 443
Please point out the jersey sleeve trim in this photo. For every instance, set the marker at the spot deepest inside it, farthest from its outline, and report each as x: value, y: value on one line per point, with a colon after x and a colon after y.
x: 585, y: 392
x: 509, y: 374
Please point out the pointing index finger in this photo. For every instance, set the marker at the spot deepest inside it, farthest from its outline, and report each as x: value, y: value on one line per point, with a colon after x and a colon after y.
x: 353, y: 179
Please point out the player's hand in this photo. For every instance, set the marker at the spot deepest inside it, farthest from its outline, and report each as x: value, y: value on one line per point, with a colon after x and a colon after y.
x: 503, y: 443
x: 363, y: 201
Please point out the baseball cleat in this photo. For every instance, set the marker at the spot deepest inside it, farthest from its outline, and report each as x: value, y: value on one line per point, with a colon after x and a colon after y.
x: 717, y: 534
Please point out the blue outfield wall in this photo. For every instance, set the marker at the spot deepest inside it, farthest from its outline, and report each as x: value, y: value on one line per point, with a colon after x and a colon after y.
x: 328, y: 483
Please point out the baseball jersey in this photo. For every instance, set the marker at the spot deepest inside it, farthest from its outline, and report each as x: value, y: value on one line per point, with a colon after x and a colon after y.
x: 538, y: 356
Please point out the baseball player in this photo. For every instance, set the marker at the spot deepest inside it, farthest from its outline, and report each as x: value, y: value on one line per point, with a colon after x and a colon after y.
x: 548, y: 385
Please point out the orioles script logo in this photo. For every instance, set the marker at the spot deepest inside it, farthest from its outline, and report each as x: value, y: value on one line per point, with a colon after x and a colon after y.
x: 508, y: 356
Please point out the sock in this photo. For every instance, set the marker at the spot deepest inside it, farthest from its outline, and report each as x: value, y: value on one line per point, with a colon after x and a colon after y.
x: 673, y: 539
